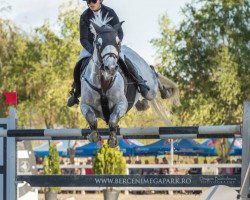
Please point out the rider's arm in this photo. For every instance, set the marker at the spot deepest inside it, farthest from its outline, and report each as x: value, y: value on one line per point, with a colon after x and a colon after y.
x: 84, y: 33
x: 115, y: 21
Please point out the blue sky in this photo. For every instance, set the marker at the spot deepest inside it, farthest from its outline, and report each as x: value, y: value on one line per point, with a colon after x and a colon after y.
x: 141, y: 18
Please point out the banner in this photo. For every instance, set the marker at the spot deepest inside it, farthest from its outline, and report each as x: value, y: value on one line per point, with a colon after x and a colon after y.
x: 130, y: 180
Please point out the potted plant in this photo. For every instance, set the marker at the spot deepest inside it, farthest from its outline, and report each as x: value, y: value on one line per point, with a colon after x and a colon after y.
x: 109, y: 161
x: 51, y: 166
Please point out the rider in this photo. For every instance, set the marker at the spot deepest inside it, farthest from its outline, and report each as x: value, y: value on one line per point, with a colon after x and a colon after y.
x: 95, y: 7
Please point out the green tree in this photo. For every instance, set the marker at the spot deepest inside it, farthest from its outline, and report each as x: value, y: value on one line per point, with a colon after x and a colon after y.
x: 207, y: 55
x: 53, y: 74
x: 12, y: 44
x: 109, y: 161
x: 39, y: 66
x: 51, y: 165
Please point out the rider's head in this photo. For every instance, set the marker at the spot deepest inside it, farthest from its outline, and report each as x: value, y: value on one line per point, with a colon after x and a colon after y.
x: 94, y: 5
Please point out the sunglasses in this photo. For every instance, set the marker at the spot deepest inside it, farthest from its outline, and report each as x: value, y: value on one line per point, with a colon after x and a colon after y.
x: 91, y: 1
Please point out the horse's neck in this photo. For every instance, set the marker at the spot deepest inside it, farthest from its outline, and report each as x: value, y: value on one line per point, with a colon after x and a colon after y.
x: 94, y: 74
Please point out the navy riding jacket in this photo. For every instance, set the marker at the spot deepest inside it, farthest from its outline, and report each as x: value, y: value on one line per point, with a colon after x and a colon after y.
x: 86, y: 37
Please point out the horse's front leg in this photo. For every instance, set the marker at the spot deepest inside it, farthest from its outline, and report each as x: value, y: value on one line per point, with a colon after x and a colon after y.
x: 89, y: 115
x: 119, y: 111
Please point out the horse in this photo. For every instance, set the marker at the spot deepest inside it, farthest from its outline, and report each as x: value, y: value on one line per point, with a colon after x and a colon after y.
x: 107, y: 91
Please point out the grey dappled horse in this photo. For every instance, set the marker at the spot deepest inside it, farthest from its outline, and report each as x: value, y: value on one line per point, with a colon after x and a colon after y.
x: 107, y: 91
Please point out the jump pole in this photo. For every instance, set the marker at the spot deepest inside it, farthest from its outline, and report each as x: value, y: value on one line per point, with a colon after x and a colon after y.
x: 226, y: 131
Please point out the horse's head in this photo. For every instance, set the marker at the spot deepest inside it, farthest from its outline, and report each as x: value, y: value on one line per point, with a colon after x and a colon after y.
x: 107, y: 48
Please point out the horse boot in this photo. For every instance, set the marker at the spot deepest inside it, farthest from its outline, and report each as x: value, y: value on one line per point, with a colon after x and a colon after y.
x: 143, y: 88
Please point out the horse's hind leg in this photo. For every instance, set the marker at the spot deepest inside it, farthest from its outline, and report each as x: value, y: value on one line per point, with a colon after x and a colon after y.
x: 119, y: 111
x: 165, y: 92
x: 89, y: 114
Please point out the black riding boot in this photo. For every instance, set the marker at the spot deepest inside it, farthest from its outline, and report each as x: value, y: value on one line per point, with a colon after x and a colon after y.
x: 75, y: 94
x: 137, y: 78
x: 76, y: 86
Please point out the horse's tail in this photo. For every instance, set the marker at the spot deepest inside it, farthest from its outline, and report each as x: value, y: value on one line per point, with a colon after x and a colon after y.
x: 161, y: 111
x: 175, y: 97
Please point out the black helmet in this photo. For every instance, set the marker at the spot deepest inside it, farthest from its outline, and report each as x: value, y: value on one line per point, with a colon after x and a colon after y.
x: 88, y: 1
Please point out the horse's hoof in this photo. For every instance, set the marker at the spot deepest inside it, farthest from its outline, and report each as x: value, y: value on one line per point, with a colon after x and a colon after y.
x: 94, y: 137
x: 112, y: 141
x: 142, y: 105
x: 166, y: 92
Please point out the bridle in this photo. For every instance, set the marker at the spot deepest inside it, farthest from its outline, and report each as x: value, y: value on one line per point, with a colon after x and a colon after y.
x: 109, y: 54
x: 102, y: 67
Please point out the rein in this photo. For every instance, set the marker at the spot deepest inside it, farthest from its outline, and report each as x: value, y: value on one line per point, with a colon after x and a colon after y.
x: 102, y: 91
x: 104, y: 88
x: 105, y: 84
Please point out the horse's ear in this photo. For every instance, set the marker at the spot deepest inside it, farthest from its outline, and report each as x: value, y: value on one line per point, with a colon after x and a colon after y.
x: 118, y: 26
x: 96, y: 27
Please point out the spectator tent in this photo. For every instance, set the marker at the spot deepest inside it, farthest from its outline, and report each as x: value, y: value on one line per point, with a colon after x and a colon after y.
x: 160, y: 147
x: 62, y: 148
x: 127, y: 146
x: 189, y: 147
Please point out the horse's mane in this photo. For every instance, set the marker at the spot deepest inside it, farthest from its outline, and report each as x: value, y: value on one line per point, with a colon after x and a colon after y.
x: 99, y: 21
